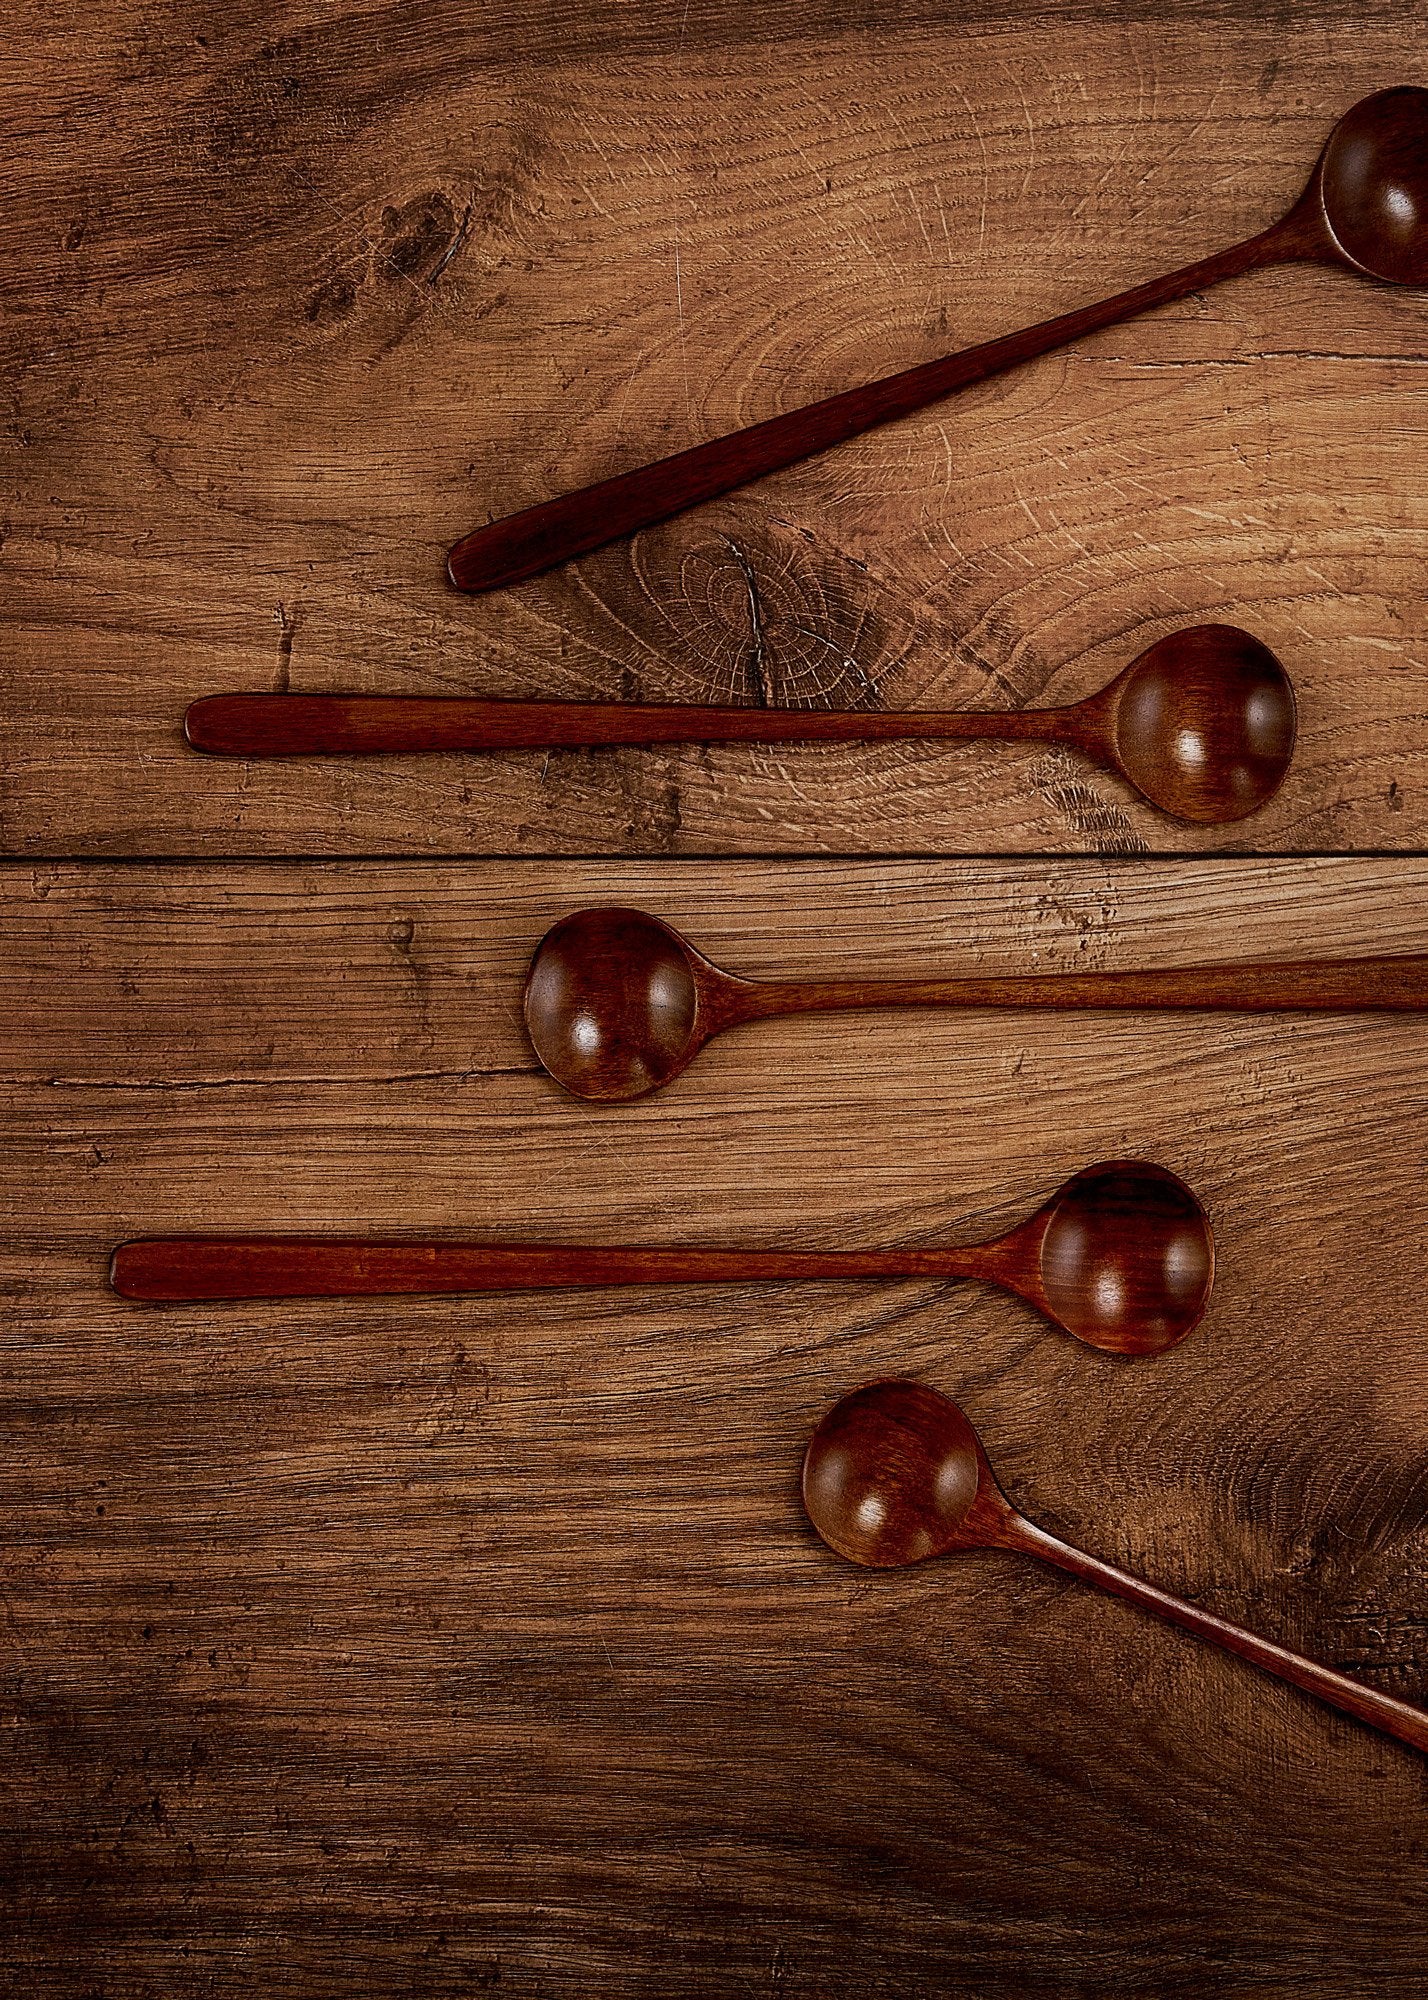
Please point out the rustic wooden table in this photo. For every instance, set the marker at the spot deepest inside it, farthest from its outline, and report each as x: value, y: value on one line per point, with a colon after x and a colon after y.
x: 431, y: 1648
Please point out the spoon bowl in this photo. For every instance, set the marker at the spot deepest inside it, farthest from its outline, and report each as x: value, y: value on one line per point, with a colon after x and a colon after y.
x: 612, y: 1003
x: 1203, y: 724
x: 894, y: 1474
x: 1373, y: 185
x: 1127, y: 1258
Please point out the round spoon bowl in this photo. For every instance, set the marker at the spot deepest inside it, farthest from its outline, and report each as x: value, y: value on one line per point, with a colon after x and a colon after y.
x: 1204, y: 725
x: 612, y: 1004
x: 892, y: 1475
x: 1127, y: 1258
x: 1373, y: 181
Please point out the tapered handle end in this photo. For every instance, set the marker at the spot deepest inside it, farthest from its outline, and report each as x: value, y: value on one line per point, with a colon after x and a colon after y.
x: 461, y: 572
x: 524, y: 544
x: 181, y: 1272
x: 203, y: 724
x: 465, y: 569
x: 260, y: 725
x: 127, y: 1271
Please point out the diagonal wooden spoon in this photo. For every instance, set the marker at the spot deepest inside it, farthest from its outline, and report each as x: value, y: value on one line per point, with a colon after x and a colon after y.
x: 618, y: 1004
x: 1201, y: 724
x: 1366, y: 208
x: 1121, y: 1256
x: 895, y: 1473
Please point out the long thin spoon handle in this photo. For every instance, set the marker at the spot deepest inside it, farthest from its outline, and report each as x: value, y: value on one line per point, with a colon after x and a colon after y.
x: 1343, y: 985
x: 286, y: 1267
x: 295, y: 725
x: 1382, y: 1711
x: 536, y: 539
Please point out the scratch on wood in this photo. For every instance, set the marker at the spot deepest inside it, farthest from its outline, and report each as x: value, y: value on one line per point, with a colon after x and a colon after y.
x: 757, y: 646
x: 287, y: 626
x: 452, y: 247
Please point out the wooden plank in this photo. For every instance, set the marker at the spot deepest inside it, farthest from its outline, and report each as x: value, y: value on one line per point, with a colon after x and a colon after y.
x: 480, y: 1644
x: 293, y: 302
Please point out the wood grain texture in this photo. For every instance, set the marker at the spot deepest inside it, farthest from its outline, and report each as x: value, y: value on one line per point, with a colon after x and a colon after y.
x: 293, y: 296
x: 450, y: 1646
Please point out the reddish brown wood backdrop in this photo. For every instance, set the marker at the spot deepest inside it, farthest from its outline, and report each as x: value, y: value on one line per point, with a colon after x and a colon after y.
x: 429, y: 1648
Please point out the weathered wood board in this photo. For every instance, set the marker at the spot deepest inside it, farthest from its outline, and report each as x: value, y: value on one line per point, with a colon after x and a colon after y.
x: 297, y: 294
x: 452, y: 1646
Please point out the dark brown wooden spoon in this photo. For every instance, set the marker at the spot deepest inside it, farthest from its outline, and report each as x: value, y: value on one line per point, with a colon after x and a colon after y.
x: 895, y: 1473
x: 1121, y: 1256
x: 1366, y: 207
x: 618, y: 1003
x: 1201, y: 723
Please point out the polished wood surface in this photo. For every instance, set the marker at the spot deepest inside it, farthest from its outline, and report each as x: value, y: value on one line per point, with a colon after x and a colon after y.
x: 1201, y: 723
x: 311, y: 1687
x: 1368, y: 190
x: 895, y: 1473
x: 618, y: 1004
x: 287, y: 310
x: 1122, y: 1256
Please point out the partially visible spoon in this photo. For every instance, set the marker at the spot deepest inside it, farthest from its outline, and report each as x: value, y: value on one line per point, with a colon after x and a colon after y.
x: 896, y: 1473
x: 1365, y: 207
x: 1121, y: 1256
x: 617, y: 1003
x: 1201, y: 723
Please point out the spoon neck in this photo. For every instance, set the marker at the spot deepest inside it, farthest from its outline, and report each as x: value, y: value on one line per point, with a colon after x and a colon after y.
x: 1295, y: 236
x: 1300, y: 237
x: 1397, y: 1718
x: 1014, y: 725
x: 1305, y: 235
x: 764, y: 999
x: 1080, y: 724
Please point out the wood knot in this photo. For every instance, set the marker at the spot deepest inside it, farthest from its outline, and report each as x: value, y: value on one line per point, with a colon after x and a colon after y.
x: 771, y: 619
x: 419, y: 238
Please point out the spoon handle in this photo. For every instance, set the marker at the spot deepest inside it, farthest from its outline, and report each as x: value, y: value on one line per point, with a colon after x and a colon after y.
x: 294, y: 725
x: 1345, y: 985
x: 523, y: 544
x: 1368, y: 1704
x: 287, y: 1267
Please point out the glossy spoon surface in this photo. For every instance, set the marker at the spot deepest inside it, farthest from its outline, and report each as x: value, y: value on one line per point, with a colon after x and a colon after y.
x: 1365, y: 207
x: 617, y: 1003
x: 895, y: 1473
x: 1201, y: 723
x: 1121, y: 1256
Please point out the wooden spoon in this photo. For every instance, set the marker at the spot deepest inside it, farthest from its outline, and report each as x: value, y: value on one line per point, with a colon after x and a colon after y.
x: 1121, y: 1256
x: 1201, y: 723
x: 618, y: 1003
x: 1366, y: 207
x: 895, y: 1473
